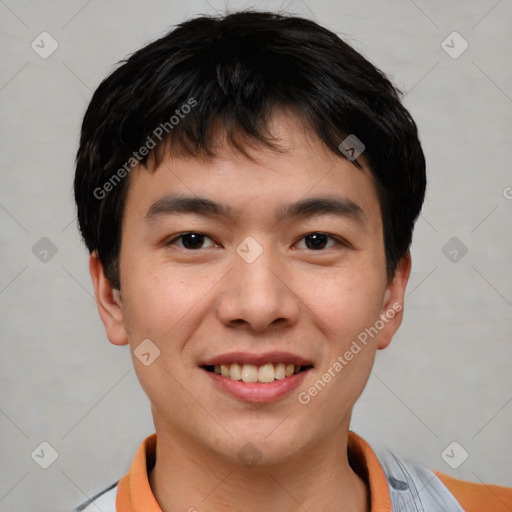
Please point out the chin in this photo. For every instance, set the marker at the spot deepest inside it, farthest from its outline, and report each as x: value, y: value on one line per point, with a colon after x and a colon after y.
x: 260, y: 448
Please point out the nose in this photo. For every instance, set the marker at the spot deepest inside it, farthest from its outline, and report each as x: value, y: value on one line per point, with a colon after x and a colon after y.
x: 259, y: 295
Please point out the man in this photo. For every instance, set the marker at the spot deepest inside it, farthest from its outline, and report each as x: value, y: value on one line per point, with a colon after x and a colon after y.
x: 247, y: 187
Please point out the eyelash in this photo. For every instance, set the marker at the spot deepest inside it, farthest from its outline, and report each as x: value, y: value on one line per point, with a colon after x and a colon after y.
x: 338, y: 240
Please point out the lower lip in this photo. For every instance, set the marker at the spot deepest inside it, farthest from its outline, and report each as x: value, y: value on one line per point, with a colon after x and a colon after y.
x: 258, y: 392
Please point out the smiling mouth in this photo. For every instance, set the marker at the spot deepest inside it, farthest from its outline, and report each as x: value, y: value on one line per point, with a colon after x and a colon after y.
x: 264, y: 373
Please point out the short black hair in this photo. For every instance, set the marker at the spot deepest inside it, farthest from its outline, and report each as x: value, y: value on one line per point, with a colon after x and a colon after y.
x: 229, y: 73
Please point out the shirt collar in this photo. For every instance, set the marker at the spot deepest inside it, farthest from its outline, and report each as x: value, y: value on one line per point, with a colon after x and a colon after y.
x: 134, y: 492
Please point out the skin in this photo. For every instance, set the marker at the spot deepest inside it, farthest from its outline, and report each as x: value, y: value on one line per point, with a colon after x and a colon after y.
x: 197, y: 303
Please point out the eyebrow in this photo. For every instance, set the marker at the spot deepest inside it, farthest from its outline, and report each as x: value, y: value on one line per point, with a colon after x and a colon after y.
x: 309, y: 207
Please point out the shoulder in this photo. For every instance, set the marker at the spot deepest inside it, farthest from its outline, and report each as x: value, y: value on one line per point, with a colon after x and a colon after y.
x: 104, y: 501
x: 475, y: 497
x: 410, y: 482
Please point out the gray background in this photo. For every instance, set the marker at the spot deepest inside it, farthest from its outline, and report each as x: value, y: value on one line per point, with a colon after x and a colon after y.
x: 446, y: 376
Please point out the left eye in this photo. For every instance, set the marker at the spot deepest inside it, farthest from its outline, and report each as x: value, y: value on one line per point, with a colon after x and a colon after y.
x: 316, y: 241
x: 192, y: 240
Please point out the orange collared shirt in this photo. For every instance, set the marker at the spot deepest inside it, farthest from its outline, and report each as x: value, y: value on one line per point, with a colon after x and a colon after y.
x: 134, y: 492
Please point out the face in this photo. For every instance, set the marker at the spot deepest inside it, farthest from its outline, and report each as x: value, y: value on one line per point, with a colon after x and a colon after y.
x: 266, y: 301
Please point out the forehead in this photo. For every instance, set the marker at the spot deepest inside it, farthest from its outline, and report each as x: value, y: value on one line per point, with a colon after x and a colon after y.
x: 271, y: 183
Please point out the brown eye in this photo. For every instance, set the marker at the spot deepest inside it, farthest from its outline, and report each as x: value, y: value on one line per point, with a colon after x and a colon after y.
x: 191, y: 240
x: 317, y: 241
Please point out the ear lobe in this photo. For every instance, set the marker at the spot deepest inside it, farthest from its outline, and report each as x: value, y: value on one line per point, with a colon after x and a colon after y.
x: 109, y: 302
x: 393, y: 302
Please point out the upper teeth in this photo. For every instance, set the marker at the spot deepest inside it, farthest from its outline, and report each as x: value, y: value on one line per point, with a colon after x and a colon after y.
x: 252, y: 373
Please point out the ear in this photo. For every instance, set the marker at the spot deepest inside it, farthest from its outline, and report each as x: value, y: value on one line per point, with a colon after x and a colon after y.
x: 393, y: 303
x: 109, y: 302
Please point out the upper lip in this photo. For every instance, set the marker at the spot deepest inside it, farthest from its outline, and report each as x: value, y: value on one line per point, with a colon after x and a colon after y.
x: 257, y: 359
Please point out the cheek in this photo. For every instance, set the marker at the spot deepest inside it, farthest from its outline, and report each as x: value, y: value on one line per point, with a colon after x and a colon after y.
x: 156, y: 299
x: 348, y: 307
x: 166, y: 306
x: 348, y: 384
x: 346, y: 304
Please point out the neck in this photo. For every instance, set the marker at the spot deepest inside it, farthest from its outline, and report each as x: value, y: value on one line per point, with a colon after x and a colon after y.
x: 319, y: 478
